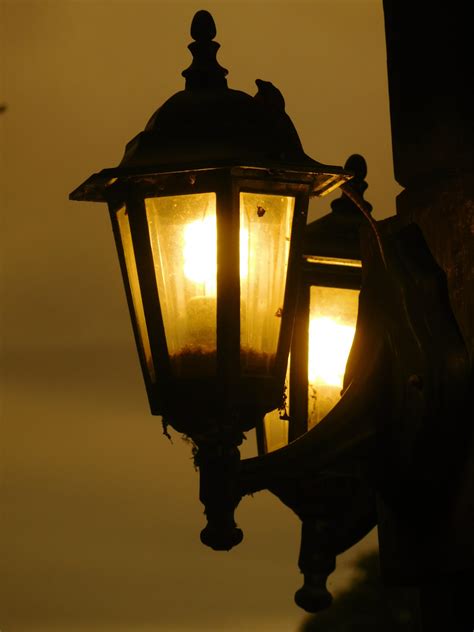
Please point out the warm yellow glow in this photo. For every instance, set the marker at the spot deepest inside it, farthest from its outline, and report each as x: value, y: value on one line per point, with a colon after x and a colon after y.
x: 183, y: 237
x: 267, y: 220
x: 329, y: 347
x: 244, y: 253
x: 184, y: 232
x: 332, y: 322
x: 200, y: 253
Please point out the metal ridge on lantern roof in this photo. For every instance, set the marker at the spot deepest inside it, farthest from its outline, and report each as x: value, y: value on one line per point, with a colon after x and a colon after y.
x: 208, y: 125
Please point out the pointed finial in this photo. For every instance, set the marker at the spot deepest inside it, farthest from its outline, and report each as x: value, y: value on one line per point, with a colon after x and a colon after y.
x: 355, y: 163
x: 203, y: 26
x: 204, y: 71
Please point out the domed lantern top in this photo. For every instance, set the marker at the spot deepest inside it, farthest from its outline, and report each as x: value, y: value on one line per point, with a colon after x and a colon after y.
x: 208, y: 125
x: 208, y: 209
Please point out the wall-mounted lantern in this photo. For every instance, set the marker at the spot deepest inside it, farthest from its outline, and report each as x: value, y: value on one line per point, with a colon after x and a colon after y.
x: 326, y: 316
x: 208, y: 209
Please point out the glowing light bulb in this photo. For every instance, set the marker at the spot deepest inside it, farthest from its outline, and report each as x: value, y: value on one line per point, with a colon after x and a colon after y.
x: 200, y: 253
x: 329, y: 346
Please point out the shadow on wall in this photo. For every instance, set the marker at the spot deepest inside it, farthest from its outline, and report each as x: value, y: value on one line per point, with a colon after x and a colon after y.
x: 368, y: 605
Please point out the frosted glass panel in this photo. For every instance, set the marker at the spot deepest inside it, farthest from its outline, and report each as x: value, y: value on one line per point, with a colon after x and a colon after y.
x: 183, y: 241
x: 333, y: 315
x: 265, y: 232
x: 130, y: 264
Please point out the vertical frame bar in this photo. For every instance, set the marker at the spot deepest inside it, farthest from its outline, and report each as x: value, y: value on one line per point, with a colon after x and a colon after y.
x: 292, y: 284
x: 151, y: 305
x: 228, y: 290
x: 298, y: 405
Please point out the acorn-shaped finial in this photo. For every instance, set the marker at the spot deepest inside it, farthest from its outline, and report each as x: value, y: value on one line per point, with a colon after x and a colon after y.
x: 203, y: 26
x: 204, y: 73
x: 355, y: 163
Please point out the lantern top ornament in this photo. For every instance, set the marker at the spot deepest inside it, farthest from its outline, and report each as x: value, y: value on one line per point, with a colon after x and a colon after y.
x: 210, y: 126
x: 205, y: 71
x: 336, y: 234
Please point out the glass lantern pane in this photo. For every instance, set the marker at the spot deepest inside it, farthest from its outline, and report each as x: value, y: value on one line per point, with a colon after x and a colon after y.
x: 333, y: 315
x: 183, y: 238
x: 265, y: 232
x: 130, y: 264
x: 275, y: 429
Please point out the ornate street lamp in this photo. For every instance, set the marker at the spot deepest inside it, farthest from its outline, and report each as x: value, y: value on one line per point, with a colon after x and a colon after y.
x: 208, y: 209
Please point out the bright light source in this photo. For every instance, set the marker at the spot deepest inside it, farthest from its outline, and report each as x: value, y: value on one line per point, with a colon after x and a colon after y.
x: 200, y: 253
x: 329, y: 347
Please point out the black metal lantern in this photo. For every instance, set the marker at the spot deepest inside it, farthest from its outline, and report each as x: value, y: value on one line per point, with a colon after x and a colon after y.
x: 208, y: 209
x: 325, y: 318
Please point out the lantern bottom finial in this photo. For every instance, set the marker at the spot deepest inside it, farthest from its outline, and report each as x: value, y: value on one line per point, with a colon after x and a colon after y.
x: 221, y: 537
x: 313, y: 596
x: 218, y: 467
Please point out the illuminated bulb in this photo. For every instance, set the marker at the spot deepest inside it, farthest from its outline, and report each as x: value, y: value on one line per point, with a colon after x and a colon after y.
x: 329, y: 347
x: 200, y: 253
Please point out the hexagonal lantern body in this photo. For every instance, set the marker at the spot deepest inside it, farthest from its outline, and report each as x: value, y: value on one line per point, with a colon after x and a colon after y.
x: 208, y: 269
x: 325, y: 317
x: 208, y: 208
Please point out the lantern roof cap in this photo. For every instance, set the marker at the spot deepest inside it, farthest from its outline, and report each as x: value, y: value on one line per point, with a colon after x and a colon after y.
x: 208, y: 125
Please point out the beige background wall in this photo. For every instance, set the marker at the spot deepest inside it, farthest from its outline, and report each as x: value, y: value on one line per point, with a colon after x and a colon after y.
x: 100, y: 519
